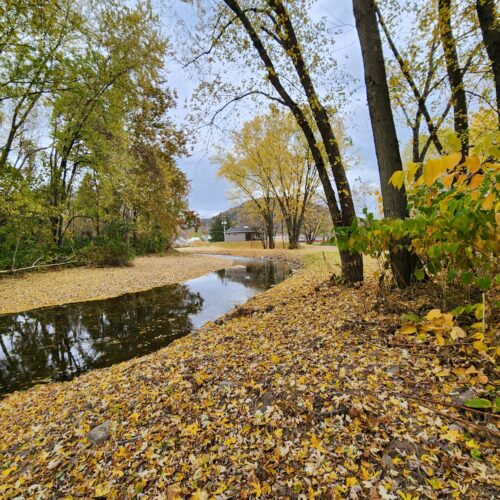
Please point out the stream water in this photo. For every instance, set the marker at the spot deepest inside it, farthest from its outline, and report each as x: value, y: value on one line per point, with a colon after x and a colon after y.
x: 58, y: 343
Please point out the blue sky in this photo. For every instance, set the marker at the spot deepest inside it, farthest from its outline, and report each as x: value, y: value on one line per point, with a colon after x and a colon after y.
x: 208, y: 193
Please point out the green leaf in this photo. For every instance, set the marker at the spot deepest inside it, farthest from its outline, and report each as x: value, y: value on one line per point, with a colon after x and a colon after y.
x: 479, y: 403
x: 420, y: 274
x: 483, y: 282
x: 496, y: 405
x: 475, y: 453
x: 466, y: 278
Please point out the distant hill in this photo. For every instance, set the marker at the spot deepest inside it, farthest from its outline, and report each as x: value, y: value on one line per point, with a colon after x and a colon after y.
x: 233, y: 215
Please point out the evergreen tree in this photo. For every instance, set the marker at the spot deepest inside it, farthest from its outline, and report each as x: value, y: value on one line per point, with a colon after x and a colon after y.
x: 217, y: 229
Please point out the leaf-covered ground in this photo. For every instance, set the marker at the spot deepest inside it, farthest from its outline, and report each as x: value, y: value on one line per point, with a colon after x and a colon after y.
x: 42, y: 289
x: 300, y: 393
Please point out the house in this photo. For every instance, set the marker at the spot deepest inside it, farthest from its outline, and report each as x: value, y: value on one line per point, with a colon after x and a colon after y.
x: 241, y: 233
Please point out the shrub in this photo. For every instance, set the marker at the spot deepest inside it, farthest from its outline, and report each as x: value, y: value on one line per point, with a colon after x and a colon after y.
x: 454, y: 220
x: 102, y: 253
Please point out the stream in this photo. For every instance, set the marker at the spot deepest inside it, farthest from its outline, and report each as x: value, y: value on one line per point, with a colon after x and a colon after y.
x: 61, y: 342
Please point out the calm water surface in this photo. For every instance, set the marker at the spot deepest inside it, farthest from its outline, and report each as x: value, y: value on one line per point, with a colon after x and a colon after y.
x: 58, y: 343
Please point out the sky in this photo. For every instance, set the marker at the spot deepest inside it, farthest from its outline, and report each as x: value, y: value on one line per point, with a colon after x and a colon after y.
x: 208, y: 194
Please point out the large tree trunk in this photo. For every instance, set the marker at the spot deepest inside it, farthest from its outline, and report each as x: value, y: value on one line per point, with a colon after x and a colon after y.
x: 490, y: 28
x: 455, y: 75
x: 384, y: 130
x: 270, y: 235
x: 289, y: 41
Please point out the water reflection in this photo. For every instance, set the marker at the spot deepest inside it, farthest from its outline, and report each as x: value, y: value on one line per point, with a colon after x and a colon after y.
x: 58, y: 343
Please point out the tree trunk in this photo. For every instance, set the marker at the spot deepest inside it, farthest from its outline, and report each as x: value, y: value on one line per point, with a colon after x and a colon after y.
x: 346, y: 214
x: 455, y: 75
x: 490, y: 28
x: 384, y: 130
x: 270, y: 235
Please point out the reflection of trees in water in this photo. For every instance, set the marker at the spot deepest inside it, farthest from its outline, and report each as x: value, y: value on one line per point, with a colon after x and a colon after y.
x: 259, y: 275
x: 63, y: 341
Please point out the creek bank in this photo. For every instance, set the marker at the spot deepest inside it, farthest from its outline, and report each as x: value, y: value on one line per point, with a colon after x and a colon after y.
x: 296, y: 394
x: 81, y: 284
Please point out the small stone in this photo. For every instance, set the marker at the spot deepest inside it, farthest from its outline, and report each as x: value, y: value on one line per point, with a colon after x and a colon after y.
x: 100, y: 433
x: 393, y: 370
x: 387, y: 462
x: 463, y: 396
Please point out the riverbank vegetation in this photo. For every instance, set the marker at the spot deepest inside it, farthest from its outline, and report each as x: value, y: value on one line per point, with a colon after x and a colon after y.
x: 87, y: 159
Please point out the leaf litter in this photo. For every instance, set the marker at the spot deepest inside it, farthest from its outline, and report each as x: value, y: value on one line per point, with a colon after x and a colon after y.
x: 307, y: 394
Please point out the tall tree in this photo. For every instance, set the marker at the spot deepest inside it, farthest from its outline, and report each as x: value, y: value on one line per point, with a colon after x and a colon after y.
x: 490, y: 28
x: 384, y: 131
x: 455, y: 75
x: 273, y: 21
x: 247, y: 169
x: 290, y: 170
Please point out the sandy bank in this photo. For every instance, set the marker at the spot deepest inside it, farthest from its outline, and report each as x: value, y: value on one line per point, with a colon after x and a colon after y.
x: 29, y: 291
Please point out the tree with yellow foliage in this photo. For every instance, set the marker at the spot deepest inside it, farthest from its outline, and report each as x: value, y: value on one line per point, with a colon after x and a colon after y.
x: 271, y: 164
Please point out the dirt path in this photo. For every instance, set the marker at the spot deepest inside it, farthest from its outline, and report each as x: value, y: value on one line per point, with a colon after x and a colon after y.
x: 29, y: 291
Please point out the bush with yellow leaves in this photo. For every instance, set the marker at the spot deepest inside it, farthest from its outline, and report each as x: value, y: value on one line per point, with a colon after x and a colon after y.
x: 453, y: 224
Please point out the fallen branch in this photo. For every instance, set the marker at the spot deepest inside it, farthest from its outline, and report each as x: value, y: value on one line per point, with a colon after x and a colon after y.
x: 30, y: 268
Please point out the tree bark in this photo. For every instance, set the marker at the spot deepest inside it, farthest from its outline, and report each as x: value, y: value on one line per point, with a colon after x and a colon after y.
x: 384, y: 132
x: 270, y: 234
x: 455, y: 75
x: 490, y: 28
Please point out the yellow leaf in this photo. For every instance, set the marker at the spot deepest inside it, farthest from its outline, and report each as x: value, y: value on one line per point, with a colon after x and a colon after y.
x: 433, y: 314
x: 476, y: 181
x: 275, y: 359
x: 7, y: 471
x: 447, y: 180
x: 432, y: 170
x: 439, y: 339
x: 435, y: 483
x: 459, y: 372
x: 257, y: 490
x: 457, y: 332
x: 199, y: 495
x: 489, y: 201
x: 412, y: 170
x: 443, y: 373
x: 451, y: 161
x: 315, y: 442
x: 397, y: 179
x: 192, y: 429
x: 408, y: 329
x: 350, y: 481
x: 101, y: 490
x: 473, y: 163
x: 479, y: 346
